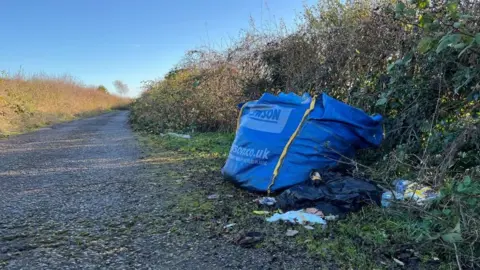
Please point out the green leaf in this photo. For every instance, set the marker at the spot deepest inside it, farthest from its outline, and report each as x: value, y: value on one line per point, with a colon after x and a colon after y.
x: 457, y: 228
x: 381, y: 101
x: 460, y: 46
x: 452, y: 6
x: 425, y: 44
x: 457, y: 24
x: 423, y: 4
x: 467, y: 181
x: 461, y: 188
x: 468, y: 39
x: 446, y: 37
x: 410, y: 12
x: 452, y: 237
x: 390, y: 67
x: 455, y: 235
x: 424, y: 20
x: 447, y: 211
x: 448, y: 40
x: 399, y: 7
x: 472, y: 202
x: 407, y: 58
x: 477, y: 38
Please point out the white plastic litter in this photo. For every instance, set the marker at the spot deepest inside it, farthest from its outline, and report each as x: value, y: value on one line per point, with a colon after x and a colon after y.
x: 297, y: 217
x: 183, y: 136
x: 213, y: 197
x: 291, y: 232
x: 229, y: 225
x: 266, y: 201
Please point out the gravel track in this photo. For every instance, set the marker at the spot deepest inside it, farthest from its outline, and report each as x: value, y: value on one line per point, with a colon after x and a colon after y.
x: 82, y: 195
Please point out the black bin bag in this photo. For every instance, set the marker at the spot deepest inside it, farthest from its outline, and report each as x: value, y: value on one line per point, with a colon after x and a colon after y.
x: 333, y: 194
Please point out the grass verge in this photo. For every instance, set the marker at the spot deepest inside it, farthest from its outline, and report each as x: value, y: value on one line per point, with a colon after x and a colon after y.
x: 400, y: 236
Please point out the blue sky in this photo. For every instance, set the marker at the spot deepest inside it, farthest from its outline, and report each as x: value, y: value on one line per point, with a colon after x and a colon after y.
x: 99, y: 41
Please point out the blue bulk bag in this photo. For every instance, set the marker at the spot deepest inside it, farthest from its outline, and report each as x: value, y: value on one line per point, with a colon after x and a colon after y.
x: 280, y: 139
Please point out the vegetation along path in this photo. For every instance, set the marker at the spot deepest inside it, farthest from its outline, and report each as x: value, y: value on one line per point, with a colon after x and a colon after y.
x: 84, y: 195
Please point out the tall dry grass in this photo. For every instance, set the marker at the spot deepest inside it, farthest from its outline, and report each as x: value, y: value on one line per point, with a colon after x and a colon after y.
x: 28, y: 102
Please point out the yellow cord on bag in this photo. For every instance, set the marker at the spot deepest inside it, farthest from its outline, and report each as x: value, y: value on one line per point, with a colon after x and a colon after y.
x: 240, y: 115
x: 285, y: 149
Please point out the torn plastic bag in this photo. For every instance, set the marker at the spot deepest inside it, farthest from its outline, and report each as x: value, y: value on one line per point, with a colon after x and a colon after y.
x: 334, y: 194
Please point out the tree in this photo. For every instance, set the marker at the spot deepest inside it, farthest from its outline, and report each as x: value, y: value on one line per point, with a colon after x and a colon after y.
x: 122, y: 88
x: 102, y: 88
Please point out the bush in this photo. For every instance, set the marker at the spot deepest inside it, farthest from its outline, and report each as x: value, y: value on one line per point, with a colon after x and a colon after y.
x: 102, y: 89
x: 188, y: 99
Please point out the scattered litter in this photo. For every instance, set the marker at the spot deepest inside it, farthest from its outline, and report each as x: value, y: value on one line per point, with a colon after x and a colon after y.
x: 183, y: 136
x: 291, y: 232
x: 260, y: 212
x: 336, y: 194
x: 398, y: 262
x: 308, y: 227
x: 229, y: 225
x: 297, y: 217
x: 259, y: 159
x: 315, y: 175
x: 408, y: 190
x: 250, y: 239
x: 401, y: 185
x: 331, y: 218
x: 389, y: 196
x: 213, y: 197
x: 419, y: 193
x: 266, y: 201
x: 315, y: 211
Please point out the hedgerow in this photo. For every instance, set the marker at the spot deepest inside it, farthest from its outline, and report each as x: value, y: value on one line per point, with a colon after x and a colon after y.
x: 417, y: 63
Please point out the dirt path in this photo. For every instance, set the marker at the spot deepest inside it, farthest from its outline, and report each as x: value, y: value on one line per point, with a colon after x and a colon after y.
x: 82, y: 195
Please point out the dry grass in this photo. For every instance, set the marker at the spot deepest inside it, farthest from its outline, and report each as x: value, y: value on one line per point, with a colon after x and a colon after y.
x: 35, y: 101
